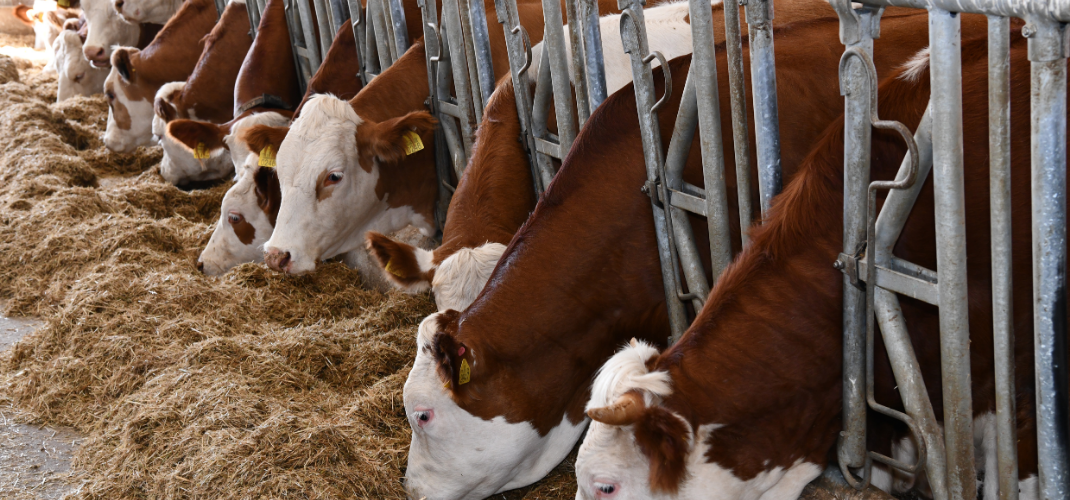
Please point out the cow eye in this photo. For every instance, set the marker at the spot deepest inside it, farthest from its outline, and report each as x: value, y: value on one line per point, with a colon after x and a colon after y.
x: 234, y: 218
x: 79, y: 76
x: 110, y: 95
x: 333, y: 178
x: 423, y: 417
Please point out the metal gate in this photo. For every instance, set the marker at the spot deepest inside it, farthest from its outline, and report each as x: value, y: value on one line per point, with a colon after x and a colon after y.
x: 948, y: 456
x: 671, y: 198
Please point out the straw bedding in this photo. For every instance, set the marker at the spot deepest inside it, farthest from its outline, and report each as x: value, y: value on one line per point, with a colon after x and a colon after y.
x: 252, y: 385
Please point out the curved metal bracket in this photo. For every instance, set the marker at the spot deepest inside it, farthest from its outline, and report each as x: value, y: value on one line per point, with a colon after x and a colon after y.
x: 527, y: 48
x: 666, y: 73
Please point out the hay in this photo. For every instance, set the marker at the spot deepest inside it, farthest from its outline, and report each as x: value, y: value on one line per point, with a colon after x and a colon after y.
x: 252, y: 385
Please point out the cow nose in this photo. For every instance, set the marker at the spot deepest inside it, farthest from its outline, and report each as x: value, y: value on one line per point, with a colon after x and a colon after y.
x: 119, y: 5
x: 93, y: 53
x: 200, y: 266
x: 277, y: 259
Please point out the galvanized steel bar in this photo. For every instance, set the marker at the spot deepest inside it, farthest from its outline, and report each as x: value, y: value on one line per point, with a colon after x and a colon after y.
x: 1052, y: 9
x: 950, y: 206
x: 633, y: 36
x: 519, y: 48
x: 763, y: 87
x: 358, y: 21
x: 703, y: 73
x: 323, y: 22
x: 301, y: 54
x: 579, y: 71
x: 592, y: 51
x: 254, y: 10
x: 1047, y: 56
x: 308, y: 35
x: 220, y: 6
x: 999, y: 153
x: 740, y: 135
x: 339, y: 14
x: 463, y: 41
x: 480, y: 40
x: 540, y: 113
x: 398, y: 26
x: 380, y: 41
x: 453, y: 44
x: 554, y: 45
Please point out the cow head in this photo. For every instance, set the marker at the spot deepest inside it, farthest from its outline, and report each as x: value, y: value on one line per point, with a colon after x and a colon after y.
x: 106, y: 30
x: 46, y: 19
x: 329, y: 167
x: 455, y: 281
x: 76, y: 75
x: 129, y: 107
x: 457, y: 455
x: 146, y: 11
x: 186, y: 160
x: 163, y: 107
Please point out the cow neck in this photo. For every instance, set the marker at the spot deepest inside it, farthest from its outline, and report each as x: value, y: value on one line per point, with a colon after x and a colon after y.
x: 269, y: 66
x: 401, y: 89
x: 496, y: 193
x: 338, y: 73
x: 224, y: 51
x: 174, y: 52
x: 577, y: 281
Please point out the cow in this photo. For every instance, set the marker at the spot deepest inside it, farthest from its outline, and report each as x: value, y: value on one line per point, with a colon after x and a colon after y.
x: 75, y: 76
x: 367, y: 197
x: 702, y: 416
x: 146, y: 11
x: 494, y: 197
x: 46, y: 19
x: 582, y: 276
x: 136, y: 75
x: 256, y: 200
x: 206, y: 96
x: 107, y: 30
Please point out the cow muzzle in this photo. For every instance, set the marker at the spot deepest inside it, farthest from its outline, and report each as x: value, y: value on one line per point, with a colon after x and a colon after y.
x: 278, y: 260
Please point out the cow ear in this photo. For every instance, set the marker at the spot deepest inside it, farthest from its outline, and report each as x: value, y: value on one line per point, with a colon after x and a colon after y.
x: 257, y: 137
x: 399, y: 260
x: 665, y: 440
x: 392, y: 140
x: 121, y: 60
x: 164, y: 109
x: 268, y: 192
x: 190, y: 134
x: 452, y: 357
x: 22, y: 12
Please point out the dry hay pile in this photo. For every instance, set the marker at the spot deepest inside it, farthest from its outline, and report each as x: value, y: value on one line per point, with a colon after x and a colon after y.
x: 253, y: 385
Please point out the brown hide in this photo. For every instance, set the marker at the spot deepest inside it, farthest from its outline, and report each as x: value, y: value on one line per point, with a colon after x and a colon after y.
x: 269, y: 67
x: 145, y: 36
x: 338, y: 73
x: 588, y: 252
x: 779, y: 398
x: 206, y: 95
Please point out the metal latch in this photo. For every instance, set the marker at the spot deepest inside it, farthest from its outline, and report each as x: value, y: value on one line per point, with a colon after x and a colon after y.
x: 848, y: 264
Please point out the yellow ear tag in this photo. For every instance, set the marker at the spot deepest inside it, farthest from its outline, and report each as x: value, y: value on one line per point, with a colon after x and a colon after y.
x: 201, y: 152
x: 393, y: 270
x: 466, y: 373
x: 267, y: 157
x: 412, y: 142
x: 64, y: 3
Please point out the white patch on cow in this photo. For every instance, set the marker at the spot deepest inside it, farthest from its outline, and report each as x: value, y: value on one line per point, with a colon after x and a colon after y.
x: 915, y: 66
x: 224, y: 249
x: 461, y: 276
x: 667, y: 31
x: 460, y: 456
x: 240, y: 155
x: 75, y: 76
x: 321, y: 141
x: 106, y: 31
x: 178, y: 166
x: 1029, y: 489
x: 167, y: 93
x: 140, y: 111
x: 148, y: 11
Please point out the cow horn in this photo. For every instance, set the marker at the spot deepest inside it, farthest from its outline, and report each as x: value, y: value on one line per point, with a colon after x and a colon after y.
x: 624, y: 411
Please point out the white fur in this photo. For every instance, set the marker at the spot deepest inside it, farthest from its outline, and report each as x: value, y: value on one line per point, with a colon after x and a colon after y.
x: 224, y: 249
x: 179, y: 167
x: 667, y: 31
x: 106, y: 30
x: 915, y: 66
x: 167, y: 92
x: 460, y: 456
x: 75, y: 75
x: 141, y: 113
x: 149, y: 11
x: 322, y: 140
x: 461, y: 276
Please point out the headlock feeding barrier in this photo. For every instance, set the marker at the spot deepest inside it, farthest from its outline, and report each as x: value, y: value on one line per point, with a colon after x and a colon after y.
x: 461, y: 80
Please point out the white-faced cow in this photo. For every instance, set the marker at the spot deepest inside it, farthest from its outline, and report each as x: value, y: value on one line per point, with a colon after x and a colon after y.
x: 107, y: 30
x: 510, y: 375
x: 748, y: 402
x: 136, y: 75
x: 75, y: 76
x: 146, y: 11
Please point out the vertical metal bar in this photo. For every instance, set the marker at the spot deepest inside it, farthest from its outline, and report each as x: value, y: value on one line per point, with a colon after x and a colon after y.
x: 950, y: 206
x: 463, y: 42
x: 554, y: 45
x: 592, y: 51
x: 740, y: 135
x: 253, y: 9
x: 540, y: 116
x: 763, y: 84
x: 383, y: 46
x: 323, y: 22
x: 358, y: 23
x: 856, y: 148
x: 704, y: 74
x: 300, y: 53
x: 999, y: 153
x: 304, y: 15
x: 453, y: 44
x: 400, y: 28
x: 633, y: 36
x: 220, y: 6
x: 579, y: 70
x: 1047, y: 53
x: 481, y: 47
x: 339, y: 14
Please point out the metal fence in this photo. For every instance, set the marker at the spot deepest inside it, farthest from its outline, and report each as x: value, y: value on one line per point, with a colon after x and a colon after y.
x: 947, y: 456
x: 670, y: 196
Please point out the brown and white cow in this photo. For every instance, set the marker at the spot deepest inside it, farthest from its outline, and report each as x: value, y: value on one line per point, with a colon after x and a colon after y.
x: 46, y: 18
x: 749, y: 400
x: 581, y: 277
x: 136, y: 75
x: 255, y: 201
x: 337, y: 141
x: 206, y: 96
x: 495, y: 196
x: 75, y: 76
x: 107, y: 30
x: 146, y: 11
